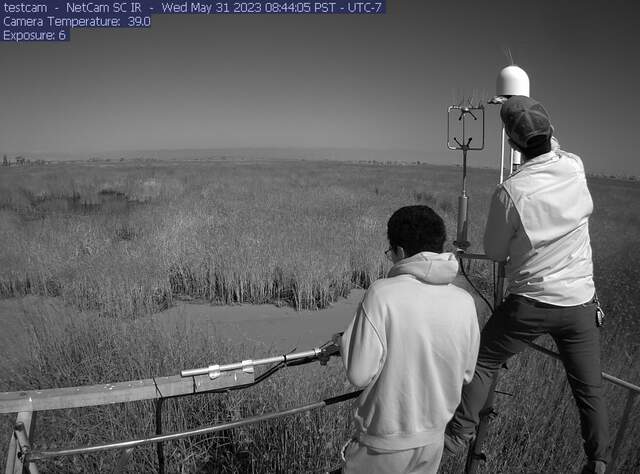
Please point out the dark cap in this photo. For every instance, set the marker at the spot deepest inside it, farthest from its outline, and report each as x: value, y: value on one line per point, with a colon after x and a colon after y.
x: 524, y: 119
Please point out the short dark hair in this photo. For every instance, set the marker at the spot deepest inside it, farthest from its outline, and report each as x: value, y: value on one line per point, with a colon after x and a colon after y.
x: 416, y: 229
x: 537, y: 146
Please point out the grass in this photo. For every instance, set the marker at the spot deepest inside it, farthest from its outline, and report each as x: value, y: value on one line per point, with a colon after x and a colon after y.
x: 72, y: 350
x: 125, y: 240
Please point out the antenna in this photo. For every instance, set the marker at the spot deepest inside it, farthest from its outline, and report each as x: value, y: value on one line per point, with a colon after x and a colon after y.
x: 464, y: 113
x: 507, y: 52
x: 512, y: 80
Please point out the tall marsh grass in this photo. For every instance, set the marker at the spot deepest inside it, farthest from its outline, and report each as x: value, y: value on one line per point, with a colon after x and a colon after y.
x: 127, y: 240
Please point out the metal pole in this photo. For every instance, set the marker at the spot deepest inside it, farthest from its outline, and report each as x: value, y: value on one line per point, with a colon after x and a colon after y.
x: 500, y: 286
x: 160, y: 445
x: 502, y: 157
x: 247, y: 365
x: 463, y: 203
x: 511, y: 162
x: 610, y: 378
x: 37, y: 455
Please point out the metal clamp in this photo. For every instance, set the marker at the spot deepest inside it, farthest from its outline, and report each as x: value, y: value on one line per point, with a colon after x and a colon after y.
x: 214, y: 371
x: 247, y: 366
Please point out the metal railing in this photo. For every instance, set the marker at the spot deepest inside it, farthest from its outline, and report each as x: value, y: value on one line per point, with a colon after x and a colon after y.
x: 475, y: 450
x: 475, y: 454
x: 22, y: 458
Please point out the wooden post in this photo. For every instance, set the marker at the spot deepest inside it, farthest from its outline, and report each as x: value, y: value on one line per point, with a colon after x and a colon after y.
x: 23, y: 432
x: 12, y: 453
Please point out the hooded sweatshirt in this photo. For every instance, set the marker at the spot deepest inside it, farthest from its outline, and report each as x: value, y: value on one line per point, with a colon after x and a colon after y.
x: 412, y: 343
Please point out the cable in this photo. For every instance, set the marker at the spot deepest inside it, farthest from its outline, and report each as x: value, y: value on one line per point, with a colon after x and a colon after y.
x: 464, y: 273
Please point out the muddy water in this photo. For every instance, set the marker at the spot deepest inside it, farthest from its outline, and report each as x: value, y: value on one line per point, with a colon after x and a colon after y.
x: 104, y: 203
x: 261, y: 329
x: 266, y: 326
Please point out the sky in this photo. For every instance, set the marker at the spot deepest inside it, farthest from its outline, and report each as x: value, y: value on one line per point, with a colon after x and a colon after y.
x: 329, y: 81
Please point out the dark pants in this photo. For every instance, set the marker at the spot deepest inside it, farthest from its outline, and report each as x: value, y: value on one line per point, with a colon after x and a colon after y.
x: 574, y: 329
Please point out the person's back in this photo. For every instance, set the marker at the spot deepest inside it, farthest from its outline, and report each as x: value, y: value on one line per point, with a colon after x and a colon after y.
x: 538, y: 224
x: 412, y: 344
x: 549, y: 205
x: 427, y: 331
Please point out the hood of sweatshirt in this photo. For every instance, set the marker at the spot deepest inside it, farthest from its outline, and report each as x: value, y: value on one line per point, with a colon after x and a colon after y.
x: 428, y: 267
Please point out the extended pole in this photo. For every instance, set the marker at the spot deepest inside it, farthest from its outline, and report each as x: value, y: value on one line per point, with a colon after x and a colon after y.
x: 247, y: 365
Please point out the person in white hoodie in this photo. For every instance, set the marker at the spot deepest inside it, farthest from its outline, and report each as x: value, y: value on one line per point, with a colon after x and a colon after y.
x: 538, y: 224
x: 412, y: 344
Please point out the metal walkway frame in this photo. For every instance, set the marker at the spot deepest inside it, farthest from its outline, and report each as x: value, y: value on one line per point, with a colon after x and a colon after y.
x: 22, y: 458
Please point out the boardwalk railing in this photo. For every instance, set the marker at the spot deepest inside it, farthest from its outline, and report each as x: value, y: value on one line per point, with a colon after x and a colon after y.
x: 22, y: 458
x: 28, y: 403
x: 215, y: 378
x: 475, y: 450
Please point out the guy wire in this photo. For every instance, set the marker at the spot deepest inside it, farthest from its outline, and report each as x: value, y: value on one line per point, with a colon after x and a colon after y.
x: 464, y: 273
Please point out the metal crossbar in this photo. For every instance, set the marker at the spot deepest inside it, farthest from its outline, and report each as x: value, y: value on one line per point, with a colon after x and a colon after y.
x: 475, y: 452
x: 130, y: 444
x: 609, y: 378
x: 634, y: 392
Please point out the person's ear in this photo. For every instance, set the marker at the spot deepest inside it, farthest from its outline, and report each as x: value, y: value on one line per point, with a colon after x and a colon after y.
x: 400, y: 253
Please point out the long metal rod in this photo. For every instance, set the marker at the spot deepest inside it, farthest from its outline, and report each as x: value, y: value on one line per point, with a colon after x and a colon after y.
x: 502, y: 157
x: 39, y: 455
x: 252, y: 363
x: 159, y: 446
x: 610, y: 378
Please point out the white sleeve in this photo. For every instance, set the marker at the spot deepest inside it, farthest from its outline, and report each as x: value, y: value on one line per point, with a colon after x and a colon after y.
x: 362, y: 350
x: 474, y: 346
x: 501, y: 226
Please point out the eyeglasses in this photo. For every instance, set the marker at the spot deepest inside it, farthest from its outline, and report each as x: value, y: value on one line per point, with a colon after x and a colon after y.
x: 389, y: 254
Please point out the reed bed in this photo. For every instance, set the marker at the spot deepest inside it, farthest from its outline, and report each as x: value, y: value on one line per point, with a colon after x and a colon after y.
x: 121, y: 241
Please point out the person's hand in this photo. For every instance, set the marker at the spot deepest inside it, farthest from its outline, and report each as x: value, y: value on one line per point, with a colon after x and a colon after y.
x: 330, y: 349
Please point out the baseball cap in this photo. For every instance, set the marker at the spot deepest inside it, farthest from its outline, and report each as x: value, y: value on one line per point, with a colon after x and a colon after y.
x: 525, y: 118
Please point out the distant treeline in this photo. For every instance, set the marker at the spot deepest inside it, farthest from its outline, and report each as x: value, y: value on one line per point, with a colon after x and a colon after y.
x: 22, y: 161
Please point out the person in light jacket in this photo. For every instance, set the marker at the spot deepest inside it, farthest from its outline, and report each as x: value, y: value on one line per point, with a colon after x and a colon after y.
x: 538, y: 224
x: 412, y: 343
